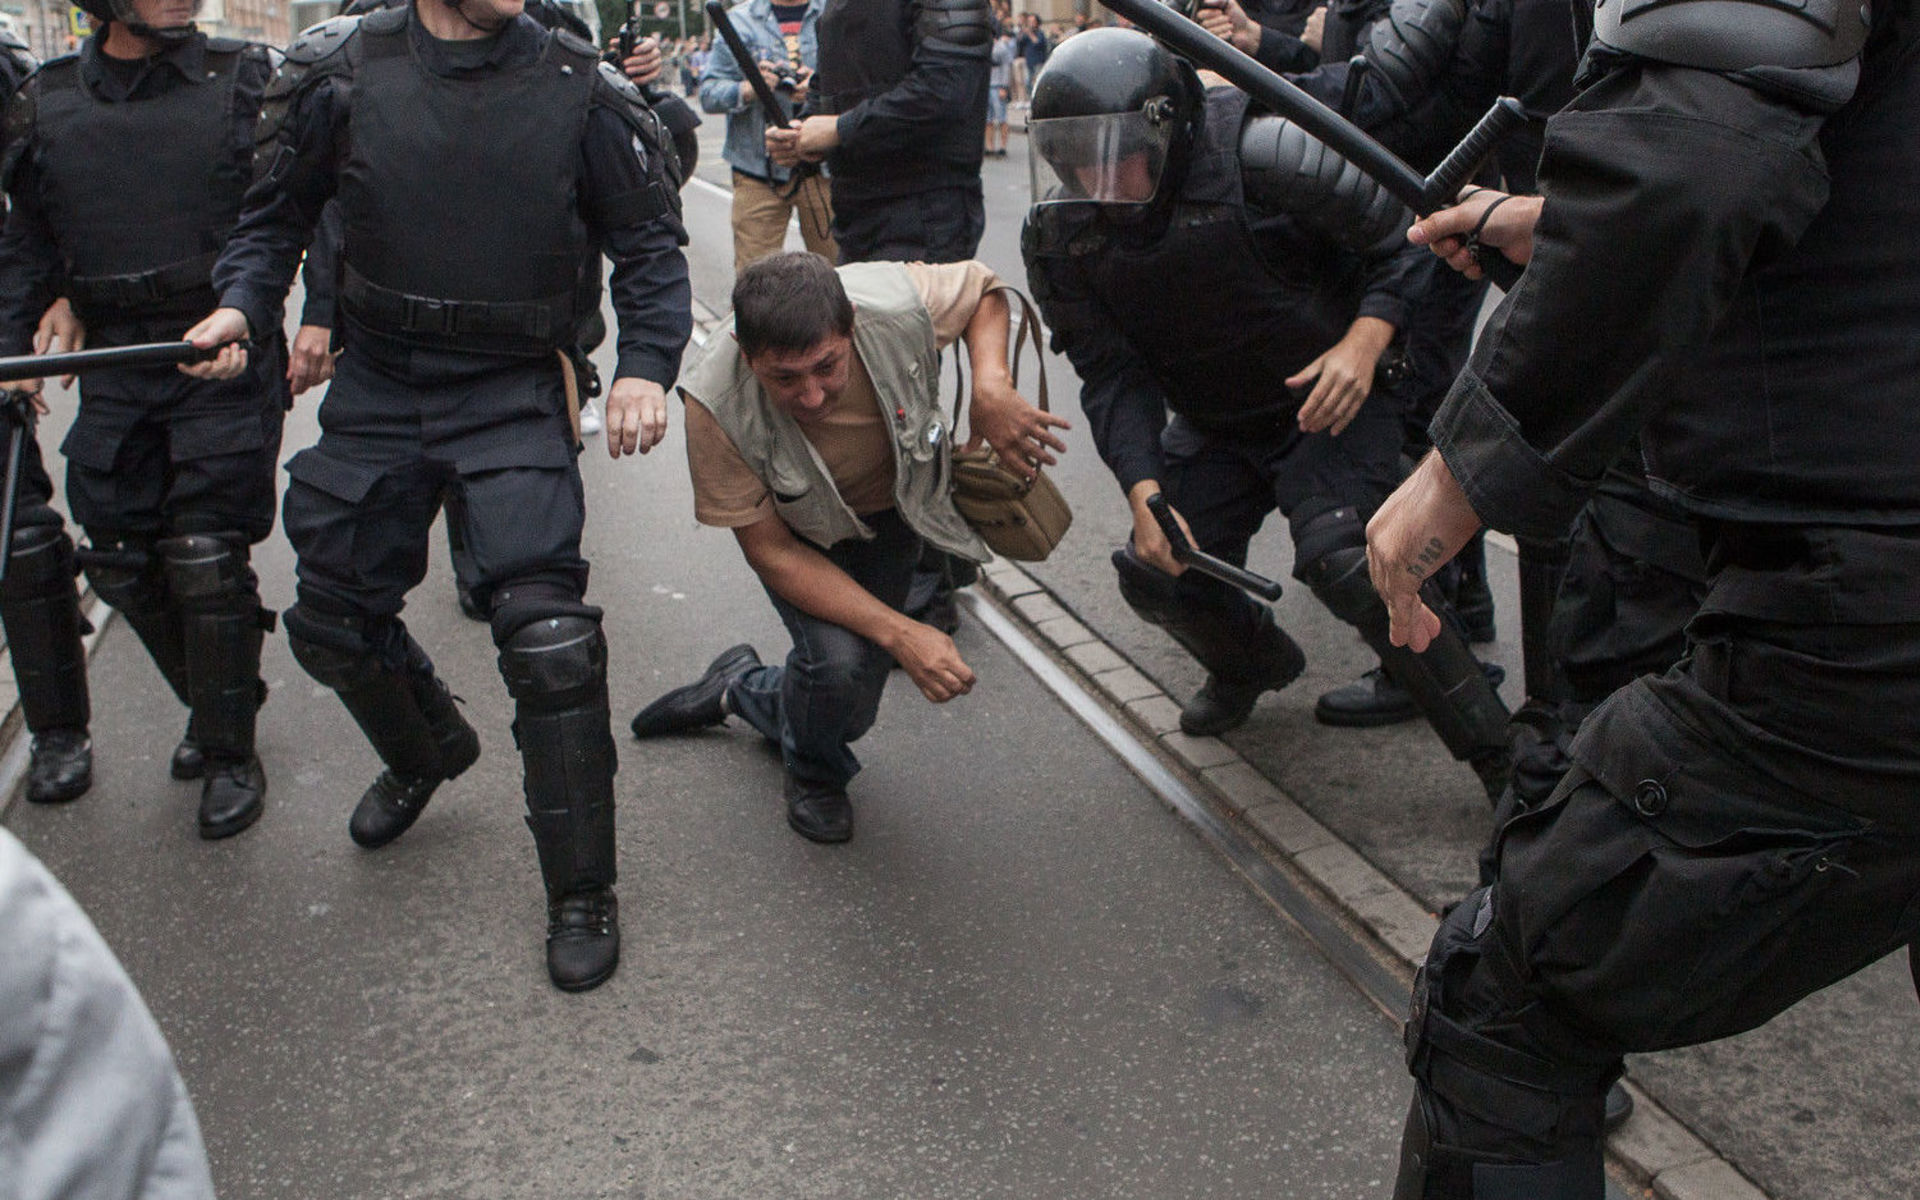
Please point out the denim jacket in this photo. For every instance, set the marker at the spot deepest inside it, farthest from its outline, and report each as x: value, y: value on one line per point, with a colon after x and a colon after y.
x: 723, y: 90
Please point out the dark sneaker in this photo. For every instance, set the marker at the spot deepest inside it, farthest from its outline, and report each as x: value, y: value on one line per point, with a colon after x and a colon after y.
x: 700, y: 703
x: 60, y: 766
x: 232, y: 796
x: 819, y: 812
x: 583, y: 939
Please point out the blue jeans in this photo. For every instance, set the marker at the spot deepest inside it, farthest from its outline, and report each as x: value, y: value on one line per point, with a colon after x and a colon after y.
x: 826, y: 695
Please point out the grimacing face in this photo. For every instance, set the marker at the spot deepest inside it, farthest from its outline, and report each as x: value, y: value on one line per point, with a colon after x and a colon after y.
x: 805, y: 383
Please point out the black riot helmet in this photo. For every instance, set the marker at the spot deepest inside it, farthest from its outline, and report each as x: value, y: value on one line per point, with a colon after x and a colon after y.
x: 1112, y: 119
x: 122, y: 11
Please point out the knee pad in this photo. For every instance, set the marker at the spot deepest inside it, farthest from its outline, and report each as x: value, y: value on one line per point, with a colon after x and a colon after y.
x: 1491, y: 1120
x: 39, y: 564
x: 1330, y: 556
x: 125, y: 572
x: 556, y: 664
x: 206, y: 571
x: 334, y: 648
x: 521, y: 603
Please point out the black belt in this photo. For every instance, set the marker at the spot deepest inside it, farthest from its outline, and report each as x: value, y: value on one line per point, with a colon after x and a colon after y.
x: 401, y: 312
x: 144, y: 288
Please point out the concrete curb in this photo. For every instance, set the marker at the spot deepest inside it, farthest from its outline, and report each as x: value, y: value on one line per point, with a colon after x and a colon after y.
x: 1652, y: 1148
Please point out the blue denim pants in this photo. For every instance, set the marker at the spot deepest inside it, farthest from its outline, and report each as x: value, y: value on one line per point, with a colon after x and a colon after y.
x: 827, y: 693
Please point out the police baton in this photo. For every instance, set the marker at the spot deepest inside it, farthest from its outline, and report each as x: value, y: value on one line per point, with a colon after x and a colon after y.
x: 16, y: 410
x: 749, y: 65
x: 1424, y: 195
x: 1186, y: 553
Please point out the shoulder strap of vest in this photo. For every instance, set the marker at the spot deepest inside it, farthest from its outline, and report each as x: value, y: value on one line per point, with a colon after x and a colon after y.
x: 660, y: 196
x: 319, y: 53
x: 573, y: 43
x: 22, y: 114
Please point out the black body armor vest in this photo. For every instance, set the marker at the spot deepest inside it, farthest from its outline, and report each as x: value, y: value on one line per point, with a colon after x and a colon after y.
x: 141, y: 194
x: 1216, y: 323
x: 866, y: 49
x: 433, y: 255
x: 1805, y: 406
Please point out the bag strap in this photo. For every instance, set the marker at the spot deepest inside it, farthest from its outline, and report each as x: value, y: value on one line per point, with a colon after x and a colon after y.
x: 1029, y: 326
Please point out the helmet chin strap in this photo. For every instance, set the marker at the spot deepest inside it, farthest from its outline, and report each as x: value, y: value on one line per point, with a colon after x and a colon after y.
x: 171, y: 35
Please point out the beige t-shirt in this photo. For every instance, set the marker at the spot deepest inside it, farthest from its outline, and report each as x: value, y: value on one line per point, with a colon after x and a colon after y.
x: 852, y: 436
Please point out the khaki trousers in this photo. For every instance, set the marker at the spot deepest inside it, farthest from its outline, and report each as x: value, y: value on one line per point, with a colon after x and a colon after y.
x: 760, y: 218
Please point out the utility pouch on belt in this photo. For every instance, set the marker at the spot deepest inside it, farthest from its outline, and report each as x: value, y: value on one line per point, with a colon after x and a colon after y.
x: 1019, y: 516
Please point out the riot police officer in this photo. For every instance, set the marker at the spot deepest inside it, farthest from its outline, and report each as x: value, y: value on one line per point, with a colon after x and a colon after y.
x: 451, y: 377
x: 126, y: 164
x: 1725, y: 264
x: 1191, y: 257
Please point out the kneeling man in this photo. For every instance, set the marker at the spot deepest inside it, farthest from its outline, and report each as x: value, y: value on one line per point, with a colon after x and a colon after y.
x: 815, y: 433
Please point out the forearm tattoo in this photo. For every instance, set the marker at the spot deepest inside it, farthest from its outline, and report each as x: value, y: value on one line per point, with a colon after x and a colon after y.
x: 1428, y: 560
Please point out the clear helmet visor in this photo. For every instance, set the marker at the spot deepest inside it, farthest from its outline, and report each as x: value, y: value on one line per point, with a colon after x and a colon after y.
x: 1108, y: 158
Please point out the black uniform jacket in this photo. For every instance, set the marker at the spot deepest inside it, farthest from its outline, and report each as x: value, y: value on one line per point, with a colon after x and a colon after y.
x: 649, y: 285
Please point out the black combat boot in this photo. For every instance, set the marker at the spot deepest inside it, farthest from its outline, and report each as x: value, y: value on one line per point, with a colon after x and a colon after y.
x: 1375, y: 699
x: 394, y: 802
x: 41, y: 613
x: 60, y: 767
x: 1224, y: 703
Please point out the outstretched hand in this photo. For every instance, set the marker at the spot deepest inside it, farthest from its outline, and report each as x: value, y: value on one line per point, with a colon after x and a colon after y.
x: 1019, y: 433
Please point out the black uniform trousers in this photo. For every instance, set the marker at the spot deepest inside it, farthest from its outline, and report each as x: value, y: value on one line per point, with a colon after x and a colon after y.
x: 1226, y: 484
x: 1734, y: 835
x: 154, y: 453
x: 363, y: 498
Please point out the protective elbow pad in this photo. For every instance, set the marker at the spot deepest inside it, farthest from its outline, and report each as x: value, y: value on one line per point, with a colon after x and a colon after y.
x: 1286, y: 169
x: 1411, y: 47
x: 957, y: 26
x: 1735, y: 35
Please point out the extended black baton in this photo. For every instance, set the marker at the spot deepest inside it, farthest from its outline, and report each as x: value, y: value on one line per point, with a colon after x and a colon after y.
x: 16, y: 410
x: 1424, y: 195
x: 1184, y: 551
x: 147, y: 354
x: 749, y: 66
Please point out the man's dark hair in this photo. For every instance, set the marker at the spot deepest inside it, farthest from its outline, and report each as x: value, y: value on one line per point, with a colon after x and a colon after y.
x: 789, y: 302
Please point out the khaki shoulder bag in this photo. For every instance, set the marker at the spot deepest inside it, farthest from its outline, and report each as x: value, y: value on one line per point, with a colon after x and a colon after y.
x: 1018, y: 518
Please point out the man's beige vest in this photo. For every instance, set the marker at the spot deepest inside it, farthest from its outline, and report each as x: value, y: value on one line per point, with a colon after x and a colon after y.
x: 893, y: 335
